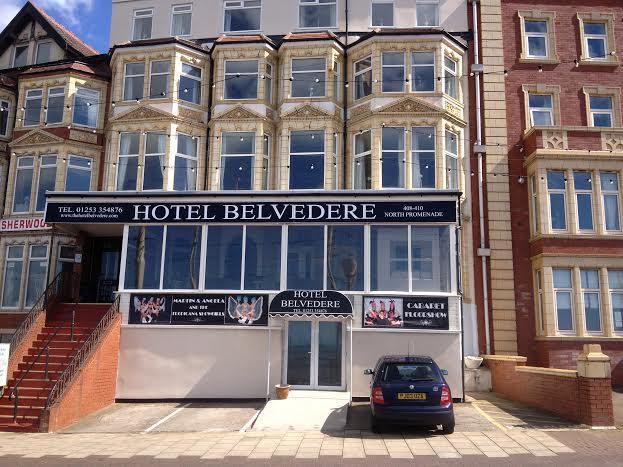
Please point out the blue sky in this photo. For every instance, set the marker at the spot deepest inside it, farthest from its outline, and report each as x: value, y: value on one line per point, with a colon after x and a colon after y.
x: 88, y: 19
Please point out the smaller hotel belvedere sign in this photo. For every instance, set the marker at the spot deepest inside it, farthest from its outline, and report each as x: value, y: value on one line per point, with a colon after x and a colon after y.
x: 310, y: 303
x: 260, y: 212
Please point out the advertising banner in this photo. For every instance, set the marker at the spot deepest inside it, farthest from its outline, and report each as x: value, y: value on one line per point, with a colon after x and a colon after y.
x: 310, y: 303
x: 290, y: 212
x: 199, y: 309
x: 406, y: 312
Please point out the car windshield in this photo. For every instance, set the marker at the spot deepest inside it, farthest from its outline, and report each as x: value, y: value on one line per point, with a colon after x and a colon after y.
x: 405, y: 372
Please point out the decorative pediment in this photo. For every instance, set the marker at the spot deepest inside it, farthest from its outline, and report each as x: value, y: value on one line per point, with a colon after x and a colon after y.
x: 307, y: 111
x: 239, y: 113
x: 409, y: 105
x: 36, y: 137
x: 142, y: 113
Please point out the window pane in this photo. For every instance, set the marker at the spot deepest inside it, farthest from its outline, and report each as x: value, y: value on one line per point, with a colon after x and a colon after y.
x: 617, y: 311
x: 317, y: 16
x: 56, y: 105
x: 190, y: 90
x: 537, y: 46
x: 262, y: 258
x: 47, y: 181
x: 182, y: 257
x: 247, y: 19
x: 591, y: 312
x: 595, y: 28
x: 596, y: 48
x: 427, y: 14
x: 78, y: 176
x: 600, y: 103
x: 564, y: 311
x: 159, y: 80
x: 540, y: 101
x: 556, y: 180
x: 363, y: 164
x: 153, y: 172
x: 37, y: 272
x: 309, y: 75
x: 423, y: 157
x: 32, y: 114
x: 237, y: 173
x: 430, y: 259
x: 142, y: 29
x: 536, y: 26
x: 4, y: 118
x: 23, y: 188
x: 558, y: 213
x: 307, y: 159
x: 181, y: 24
x: 389, y: 258
x: 602, y: 120
x: 12, y: 283
x: 393, y: 72
x: 585, y: 211
x: 589, y: 278
x: 21, y: 56
x: 224, y: 257
x: 86, y: 107
x: 423, y: 71
x: 562, y: 278
x: 392, y: 158
x: 305, y: 257
x: 345, y: 256
x: 184, y: 178
x: 241, y: 79
x: 382, y: 14
x: 611, y: 209
x: 43, y: 52
x: 144, y: 254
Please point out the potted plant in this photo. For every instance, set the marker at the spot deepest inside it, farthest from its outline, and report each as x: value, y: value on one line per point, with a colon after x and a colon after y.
x: 282, y: 391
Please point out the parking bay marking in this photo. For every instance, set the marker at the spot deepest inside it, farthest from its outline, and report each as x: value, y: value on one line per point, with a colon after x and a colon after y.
x: 168, y: 417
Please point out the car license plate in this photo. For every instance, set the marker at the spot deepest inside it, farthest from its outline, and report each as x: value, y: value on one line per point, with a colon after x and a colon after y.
x: 417, y: 396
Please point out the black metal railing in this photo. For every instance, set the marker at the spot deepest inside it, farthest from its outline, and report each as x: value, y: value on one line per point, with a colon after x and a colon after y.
x: 83, y: 354
x: 47, y: 298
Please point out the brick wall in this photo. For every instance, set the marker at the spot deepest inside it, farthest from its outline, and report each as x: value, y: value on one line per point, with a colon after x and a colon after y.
x: 561, y: 392
x: 22, y: 349
x: 93, y: 389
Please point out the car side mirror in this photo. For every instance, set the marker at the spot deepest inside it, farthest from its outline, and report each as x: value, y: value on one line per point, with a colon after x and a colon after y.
x: 444, y: 372
x: 368, y: 371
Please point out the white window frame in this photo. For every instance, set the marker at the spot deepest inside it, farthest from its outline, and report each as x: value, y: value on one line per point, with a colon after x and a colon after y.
x: 362, y: 72
x: 318, y: 2
x: 426, y: 2
x: 451, y: 155
x: 589, y: 192
x: 5, y: 108
x: 126, y: 76
x: 43, y: 165
x: 357, y: 157
x: 54, y: 92
x: 295, y: 154
x: 609, y: 112
x: 194, y: 78
x: 421, y: 65
x: 20, y: 46
x: 337, y: 78
x: 602, y: 37
x: 541, y: 109
x: 594, y: 291
x: 384, y: 2
x: 614, y: 193
x: 534, y: 205
x: 182, y: 9
x: 401, y: 167
x: 162, y: 157
x: 557, y: 191
x: 8, y: 260
x: 233, y: 156
x: 152, y: 73
x: 37, y: 52
x: 190, y: 157
x: 231, y: 5
x: 87, y: 91
x: 404, y: 72
x: 450, y: 74
x: 544, y: 35
x: 323, y: 71
x: 125, y: 157
x: 268, y: 84
x: 77, y: 167
x: 568, y: 290
x: 137, y: 14
x: 266, y: 161
x: 30, y: 98
x: 18, y: 167
x: 418, y: 129
x: 229, y: 76
x: 540, y: 315
x: 614, y: 291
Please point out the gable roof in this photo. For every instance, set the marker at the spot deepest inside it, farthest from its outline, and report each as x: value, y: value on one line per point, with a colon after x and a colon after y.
x: 63, y: 36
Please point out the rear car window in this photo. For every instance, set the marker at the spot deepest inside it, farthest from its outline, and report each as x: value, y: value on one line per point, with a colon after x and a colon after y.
x: 404, y: 372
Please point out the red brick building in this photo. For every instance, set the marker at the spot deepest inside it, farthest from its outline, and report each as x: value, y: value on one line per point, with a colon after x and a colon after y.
x: 553, y: 136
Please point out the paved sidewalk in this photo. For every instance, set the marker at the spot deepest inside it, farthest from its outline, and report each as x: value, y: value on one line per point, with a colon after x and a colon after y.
x: 295, y: 445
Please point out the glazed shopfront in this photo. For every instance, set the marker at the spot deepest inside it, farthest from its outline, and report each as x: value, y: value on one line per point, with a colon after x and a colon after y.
x: 225, y: 295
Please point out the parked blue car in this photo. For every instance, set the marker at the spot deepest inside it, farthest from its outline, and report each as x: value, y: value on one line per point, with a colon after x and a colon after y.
x: 410, y: 390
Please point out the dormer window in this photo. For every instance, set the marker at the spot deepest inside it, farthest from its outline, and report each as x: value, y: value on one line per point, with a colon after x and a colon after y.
x: 21, y: 55
x: 242, y: 15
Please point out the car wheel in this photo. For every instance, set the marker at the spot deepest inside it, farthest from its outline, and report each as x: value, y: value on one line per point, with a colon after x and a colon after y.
x: 447, y: 429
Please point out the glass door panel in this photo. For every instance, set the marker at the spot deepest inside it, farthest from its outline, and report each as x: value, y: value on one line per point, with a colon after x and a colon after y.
x: 299, y: 353
x: 329, y: 353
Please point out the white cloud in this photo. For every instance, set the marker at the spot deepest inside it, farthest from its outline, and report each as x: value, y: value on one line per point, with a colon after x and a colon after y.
x: 70, y: 10
x: 8, y: 9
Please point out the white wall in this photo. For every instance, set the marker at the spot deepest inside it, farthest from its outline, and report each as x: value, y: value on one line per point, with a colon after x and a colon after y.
x: 278, y: 16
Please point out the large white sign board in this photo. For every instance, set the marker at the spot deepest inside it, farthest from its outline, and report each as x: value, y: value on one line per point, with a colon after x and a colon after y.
x: 4, y: 363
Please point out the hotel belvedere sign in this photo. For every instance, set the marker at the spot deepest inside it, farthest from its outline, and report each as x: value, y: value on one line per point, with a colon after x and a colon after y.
x: 260, y: 212
x: 310, y: 303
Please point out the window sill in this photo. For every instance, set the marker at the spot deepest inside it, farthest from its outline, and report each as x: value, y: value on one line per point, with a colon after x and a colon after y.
x: 543, y: 60
x: 612, y: 61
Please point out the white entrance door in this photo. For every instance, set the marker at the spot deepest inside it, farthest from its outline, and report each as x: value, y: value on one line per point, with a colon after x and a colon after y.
x: 315, y: 354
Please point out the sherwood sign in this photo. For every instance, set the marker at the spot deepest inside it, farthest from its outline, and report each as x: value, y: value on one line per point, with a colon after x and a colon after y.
x: 264, y: 212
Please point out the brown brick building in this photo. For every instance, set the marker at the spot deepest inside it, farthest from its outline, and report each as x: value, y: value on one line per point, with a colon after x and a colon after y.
x: 551, y: 113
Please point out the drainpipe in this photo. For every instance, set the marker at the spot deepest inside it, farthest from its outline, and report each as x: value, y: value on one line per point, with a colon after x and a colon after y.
x: 480, y: 150
x: 345, y: 101
x: 206, y: 176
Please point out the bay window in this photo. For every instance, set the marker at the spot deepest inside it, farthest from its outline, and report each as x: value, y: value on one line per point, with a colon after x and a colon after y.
x: 223, y: 257
x: 600, y: 110
x: 86, y: 107
x: 181, y: 20
x: 556, y: 187
x: 181, y: 257
x: 423, y: 157
x: 185, y: 177
x: 13, y: 266
x: 262, y: 258
x: 159, y: 72
x: 47, y: 180
x: 56, y: 105
x: 615, y: 282
x: 127, y: 170
x: 610, y: 197
x: 78, y: 175
x: 363, y: 78
x: 393, y: 69
x: 155, y: 155
x: 190, y: 84
x: 363, y: 161
x: 141, y: 24
x: 392, y: 157
x: 382, y: 13
x: 305, y: 264
x: 134, y: 80
x: 308, y: 77
x: 5, y: 113
x: 307, y: 156
x: 563, y: 296
x: 345, y: 258
x: 237, y: 161
x: 37, y: 272
x: 427, y: 12
x: 449, y: 77
x: 452, y: 160
x: 242, y: 15
x: 589, y: 281
x: 423, y: 71
x: 583, y: 184
x: 32, y: 107
x: 23, y: 184
x: 317, y: 13
x: 241, y: 79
